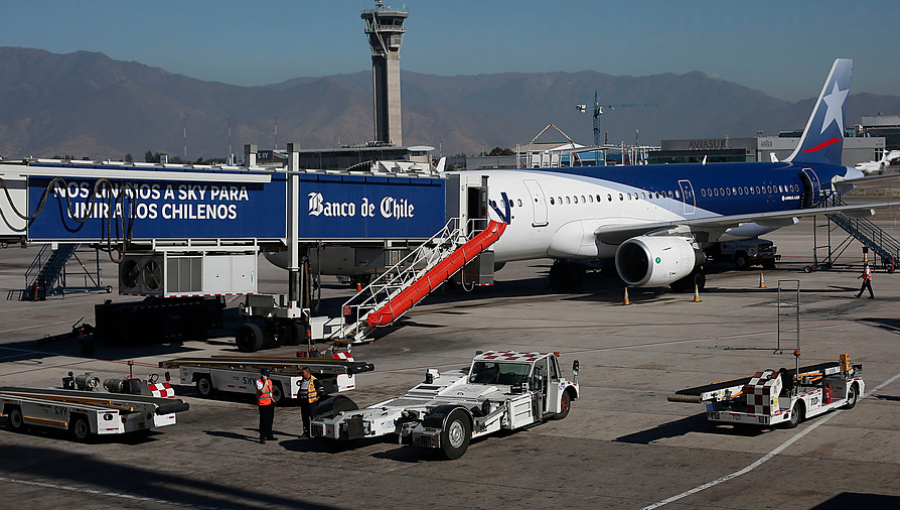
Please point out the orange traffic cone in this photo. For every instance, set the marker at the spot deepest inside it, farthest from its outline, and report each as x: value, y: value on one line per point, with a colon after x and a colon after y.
x: 696, y: 294
x: 626, y: 297
x: 762, y: 281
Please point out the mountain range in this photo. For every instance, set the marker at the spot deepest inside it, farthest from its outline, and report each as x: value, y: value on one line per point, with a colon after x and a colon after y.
x: 85, y: 104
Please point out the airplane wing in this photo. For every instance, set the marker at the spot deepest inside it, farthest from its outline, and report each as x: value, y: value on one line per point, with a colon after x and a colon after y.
x: 711, y: 228
x: 881, y: 179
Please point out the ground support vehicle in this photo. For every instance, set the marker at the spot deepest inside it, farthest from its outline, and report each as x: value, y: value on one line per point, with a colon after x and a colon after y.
x: 86, y: 414
x: 157, y: 319
x: 746, y: 252
x: 239, y: 374
x: 498, y: 391
x: 784, y: 397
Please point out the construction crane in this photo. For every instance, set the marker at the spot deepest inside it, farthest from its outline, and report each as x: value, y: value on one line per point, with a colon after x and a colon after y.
x: 598, y: 111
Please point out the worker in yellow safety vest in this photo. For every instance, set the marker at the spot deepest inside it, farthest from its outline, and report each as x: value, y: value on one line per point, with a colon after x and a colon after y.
x: 867, y: 282
x: 266, y: 406
x: 309, y: 394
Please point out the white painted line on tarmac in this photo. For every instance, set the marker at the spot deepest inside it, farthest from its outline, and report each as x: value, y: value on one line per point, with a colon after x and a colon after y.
x: 767, y: 456
x: 108, y: 494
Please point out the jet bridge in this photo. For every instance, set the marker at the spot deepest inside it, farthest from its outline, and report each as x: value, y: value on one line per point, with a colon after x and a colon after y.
x: 196, y: 230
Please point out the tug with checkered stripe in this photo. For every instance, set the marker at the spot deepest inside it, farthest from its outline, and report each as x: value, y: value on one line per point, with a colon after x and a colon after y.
x: 500, y: 390
x: 784, y: 397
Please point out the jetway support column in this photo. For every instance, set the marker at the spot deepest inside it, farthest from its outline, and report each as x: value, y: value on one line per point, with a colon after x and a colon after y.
x: 296, y: 282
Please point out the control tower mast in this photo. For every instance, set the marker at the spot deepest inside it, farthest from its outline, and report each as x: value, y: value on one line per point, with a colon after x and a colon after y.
x: 384, y: 26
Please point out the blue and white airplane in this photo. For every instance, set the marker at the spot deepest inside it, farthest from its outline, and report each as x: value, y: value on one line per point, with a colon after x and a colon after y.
x: 655, y: 220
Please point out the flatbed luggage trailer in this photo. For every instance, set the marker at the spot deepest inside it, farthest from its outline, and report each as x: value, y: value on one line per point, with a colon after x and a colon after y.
x: 239, y: 374
x: 498, y: 391
x: 86, y: 413
x: 784, y: 397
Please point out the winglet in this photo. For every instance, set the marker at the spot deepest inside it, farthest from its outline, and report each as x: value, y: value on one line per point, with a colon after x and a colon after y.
x: 823, y: 138
x: 441, y: 163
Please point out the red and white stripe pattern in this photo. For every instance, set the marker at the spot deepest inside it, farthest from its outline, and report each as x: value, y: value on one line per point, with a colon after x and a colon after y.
x: 162, y: 390
x: 509, y: 356
x: 345, y: 356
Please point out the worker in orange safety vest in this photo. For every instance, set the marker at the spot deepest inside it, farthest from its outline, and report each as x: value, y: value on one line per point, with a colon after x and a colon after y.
x: 867, y: 282
x: 309, y: 393
x: 266, y: 406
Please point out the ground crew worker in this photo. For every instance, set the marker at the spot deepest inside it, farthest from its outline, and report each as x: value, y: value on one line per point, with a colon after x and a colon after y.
x: 309, y: 394
x: 867, y: 282
x: 266, y: 406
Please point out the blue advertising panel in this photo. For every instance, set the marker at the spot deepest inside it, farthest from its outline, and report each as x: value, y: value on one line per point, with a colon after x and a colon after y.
x: 368, y: 207
x: 156, y: 209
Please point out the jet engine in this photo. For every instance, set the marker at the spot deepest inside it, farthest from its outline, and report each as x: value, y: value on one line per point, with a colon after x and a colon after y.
x: 657, y: 261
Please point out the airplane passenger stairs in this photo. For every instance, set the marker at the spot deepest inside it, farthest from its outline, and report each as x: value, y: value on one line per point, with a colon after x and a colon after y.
x: 389, y: 296
x: 870, y: 235
x: 47, y: 275
x: 43, y: 276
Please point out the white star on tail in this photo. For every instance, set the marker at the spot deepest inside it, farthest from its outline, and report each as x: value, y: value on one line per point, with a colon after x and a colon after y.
x: 835, y: 103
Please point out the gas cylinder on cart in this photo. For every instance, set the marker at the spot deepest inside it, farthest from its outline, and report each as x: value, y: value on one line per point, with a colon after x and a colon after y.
x: 827, y: 394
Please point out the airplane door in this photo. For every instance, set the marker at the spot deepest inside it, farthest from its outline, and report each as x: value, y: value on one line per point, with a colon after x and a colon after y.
x: 687, y: 194
x: 813, y: 188
x: 538, y: 203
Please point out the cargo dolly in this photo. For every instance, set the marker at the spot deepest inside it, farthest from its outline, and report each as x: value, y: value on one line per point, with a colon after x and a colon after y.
x: 86, y: 414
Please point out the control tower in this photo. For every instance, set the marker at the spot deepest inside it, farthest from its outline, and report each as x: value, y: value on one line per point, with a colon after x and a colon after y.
x: 384, y: 26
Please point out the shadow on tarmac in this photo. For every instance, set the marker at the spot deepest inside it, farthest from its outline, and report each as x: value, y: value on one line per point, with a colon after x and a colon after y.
x: 683, y: 426
x: 199, y: 491
x: 847, y: 500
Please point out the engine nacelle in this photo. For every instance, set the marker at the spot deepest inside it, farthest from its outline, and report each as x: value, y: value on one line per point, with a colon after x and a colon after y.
x: 656, y: 261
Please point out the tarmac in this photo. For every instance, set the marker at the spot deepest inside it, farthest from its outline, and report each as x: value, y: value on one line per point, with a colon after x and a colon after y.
x: 622, y: 446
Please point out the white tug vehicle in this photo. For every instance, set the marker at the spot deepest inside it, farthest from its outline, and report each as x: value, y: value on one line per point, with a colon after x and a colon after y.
x: 499, y: 391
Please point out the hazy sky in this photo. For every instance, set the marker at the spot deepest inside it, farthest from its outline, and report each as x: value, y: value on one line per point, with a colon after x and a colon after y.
x: 784, y: 48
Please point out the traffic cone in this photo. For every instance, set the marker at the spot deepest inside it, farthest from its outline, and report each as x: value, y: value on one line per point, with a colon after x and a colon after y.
x: 762, y: 281
x: 626, y: 297
x: 696, y: 293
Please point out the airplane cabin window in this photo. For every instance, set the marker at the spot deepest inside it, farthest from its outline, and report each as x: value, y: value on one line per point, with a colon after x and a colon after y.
x: 670, y: 193
x: 629, y: 196
x: 519, y: 201
x: 677, y: 194
x: 568, y: 200
x: 716, y: 191
x: 552, y: 202
x: 591, y: 198
x: 621, y: 198
x: 576, y: 198
x: 702, y: 192
x: 583, y: 201
x: 728, y: 191
x: 643, y: 196
x: 609, y: 197
x: 599, y: 199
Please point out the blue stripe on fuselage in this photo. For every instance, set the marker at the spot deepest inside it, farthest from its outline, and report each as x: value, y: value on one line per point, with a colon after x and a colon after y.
x: 715, y: 176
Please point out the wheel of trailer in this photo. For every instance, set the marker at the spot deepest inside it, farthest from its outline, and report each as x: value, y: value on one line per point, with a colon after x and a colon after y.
x: 205, y: 386
x: 797, y: 413
x: 249, y: 338
x: 456, y: 435
x: 81, y: 429
x: 741, y: 261
x: 808, y: 269
x: 277, y: 393
x: 852, y: 397
x: 16, y: 420
x: 290, y: 333
x: 565, y: 404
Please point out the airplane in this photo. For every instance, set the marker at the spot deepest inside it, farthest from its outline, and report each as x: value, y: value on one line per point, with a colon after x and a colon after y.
x: 655, y: 221
x: 878, y: 167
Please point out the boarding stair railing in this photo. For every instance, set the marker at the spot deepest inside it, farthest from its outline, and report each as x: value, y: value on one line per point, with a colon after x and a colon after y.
x: 43, y: 276
x: 870, y: 235
x: 399, y: 277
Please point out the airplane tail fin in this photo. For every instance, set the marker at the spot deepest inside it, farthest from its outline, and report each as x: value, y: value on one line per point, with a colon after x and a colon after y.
x: 441, y: 164
x: 823, y: 138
